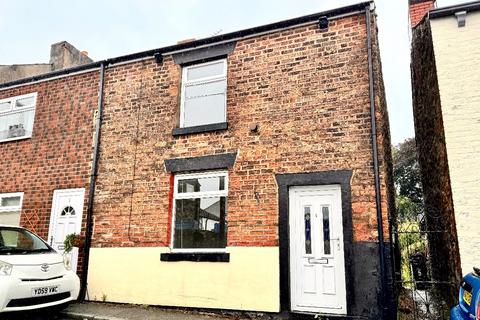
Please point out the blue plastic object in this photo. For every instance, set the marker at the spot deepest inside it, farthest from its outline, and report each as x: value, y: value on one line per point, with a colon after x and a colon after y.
x: 468, y: 297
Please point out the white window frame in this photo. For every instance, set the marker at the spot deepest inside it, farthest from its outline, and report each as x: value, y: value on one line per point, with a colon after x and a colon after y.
x: 204, y: 80
x: 13, y: 110
x: 11, y: 208
x: 190, y: 195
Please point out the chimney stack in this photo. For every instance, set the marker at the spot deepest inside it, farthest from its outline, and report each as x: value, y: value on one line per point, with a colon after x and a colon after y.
x: 64, y: 55
x: 186, y: 41
x: 418, y: 9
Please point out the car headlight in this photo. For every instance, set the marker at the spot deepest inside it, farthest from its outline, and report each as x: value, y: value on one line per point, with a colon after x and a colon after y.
x: 5, y: 269
x: 67, y: 262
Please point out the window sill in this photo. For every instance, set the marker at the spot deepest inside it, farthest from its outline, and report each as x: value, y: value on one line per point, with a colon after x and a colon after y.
x: 196, y: 257
x: 199, y: 129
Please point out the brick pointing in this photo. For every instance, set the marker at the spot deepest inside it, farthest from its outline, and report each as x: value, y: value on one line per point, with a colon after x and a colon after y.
x: 306, y: 88
x: 58, y: 156
x: 419, y: 10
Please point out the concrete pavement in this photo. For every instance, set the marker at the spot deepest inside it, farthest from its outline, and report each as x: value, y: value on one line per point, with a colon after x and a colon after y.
x: 110, y: 311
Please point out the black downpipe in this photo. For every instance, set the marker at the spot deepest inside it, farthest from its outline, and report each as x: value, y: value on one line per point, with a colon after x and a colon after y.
x: 378, y: 201
x: 91, y: 191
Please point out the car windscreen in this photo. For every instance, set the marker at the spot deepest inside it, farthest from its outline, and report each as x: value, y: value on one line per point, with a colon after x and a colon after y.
x: 20, y: 241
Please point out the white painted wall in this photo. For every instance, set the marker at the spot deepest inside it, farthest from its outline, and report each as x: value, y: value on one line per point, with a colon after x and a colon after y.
x: 457, y: 54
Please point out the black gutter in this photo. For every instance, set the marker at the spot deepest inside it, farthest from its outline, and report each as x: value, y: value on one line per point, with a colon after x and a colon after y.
x: 451, y: 10
x: 201, y: 42
x: 378, y: 200
x: 91, y: 191
x: 245, y: 32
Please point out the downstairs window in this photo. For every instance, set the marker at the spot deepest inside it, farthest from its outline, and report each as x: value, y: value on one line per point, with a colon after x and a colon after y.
x: 10, y: 208
x: 199, y: 211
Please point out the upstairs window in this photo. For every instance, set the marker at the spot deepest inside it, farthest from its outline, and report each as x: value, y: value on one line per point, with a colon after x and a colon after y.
x: 204, y: 88
x: 16, y: 117
x: 199, y: 211
x: 10, y: 208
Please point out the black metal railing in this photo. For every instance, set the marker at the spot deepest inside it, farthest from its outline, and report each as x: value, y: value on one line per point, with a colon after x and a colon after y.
x: 417, y: 291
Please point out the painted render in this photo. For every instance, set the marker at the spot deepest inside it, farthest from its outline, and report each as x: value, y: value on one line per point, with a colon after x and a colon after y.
x: 248, y: 282
x: 457, y: 55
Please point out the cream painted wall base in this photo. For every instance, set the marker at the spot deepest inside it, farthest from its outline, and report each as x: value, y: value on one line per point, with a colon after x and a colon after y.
x: 250, y: 281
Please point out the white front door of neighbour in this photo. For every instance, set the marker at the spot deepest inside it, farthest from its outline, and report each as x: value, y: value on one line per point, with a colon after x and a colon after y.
x: 66, y: 218
x: 317, y: 262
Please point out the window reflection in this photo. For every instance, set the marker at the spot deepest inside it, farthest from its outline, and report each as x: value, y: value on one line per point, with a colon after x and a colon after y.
x: 200, y: 223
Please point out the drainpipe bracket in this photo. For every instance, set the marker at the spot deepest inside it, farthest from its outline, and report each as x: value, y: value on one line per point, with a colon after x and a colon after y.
x: 461, y: 18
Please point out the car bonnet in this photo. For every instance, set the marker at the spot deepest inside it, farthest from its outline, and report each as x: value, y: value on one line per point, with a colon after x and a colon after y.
x: 32, y: 258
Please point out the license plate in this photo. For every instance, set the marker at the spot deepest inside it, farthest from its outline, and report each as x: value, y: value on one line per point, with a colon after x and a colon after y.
x: 44, y: 291
x: 467, y: 297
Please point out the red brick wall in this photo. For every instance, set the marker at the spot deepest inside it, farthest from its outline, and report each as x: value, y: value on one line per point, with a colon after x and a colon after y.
x: 58, y: 156
x: 306, y: 88
x: 418, y: 9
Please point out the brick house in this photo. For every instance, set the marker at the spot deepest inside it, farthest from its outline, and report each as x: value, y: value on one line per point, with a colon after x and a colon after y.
x: 46, y: 132
x: 243, y: 171
x: 445, y: 77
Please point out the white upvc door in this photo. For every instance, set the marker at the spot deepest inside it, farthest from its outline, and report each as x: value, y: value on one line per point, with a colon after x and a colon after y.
x: 317, y: 262
x: 66, y: 218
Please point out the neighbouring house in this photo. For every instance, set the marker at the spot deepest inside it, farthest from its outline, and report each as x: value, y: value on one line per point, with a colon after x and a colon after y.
x: 446, y: 104
x: 247, y: 171
x: 46, y: 130
x: 62, y: 55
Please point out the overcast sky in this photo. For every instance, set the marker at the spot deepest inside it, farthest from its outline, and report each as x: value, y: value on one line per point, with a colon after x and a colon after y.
x: 110, y: 28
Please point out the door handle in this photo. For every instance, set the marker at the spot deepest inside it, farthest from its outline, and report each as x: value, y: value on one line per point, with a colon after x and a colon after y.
x: 337, y: 240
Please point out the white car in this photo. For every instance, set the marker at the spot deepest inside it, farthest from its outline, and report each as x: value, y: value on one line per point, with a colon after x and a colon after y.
x: 32, y: 274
